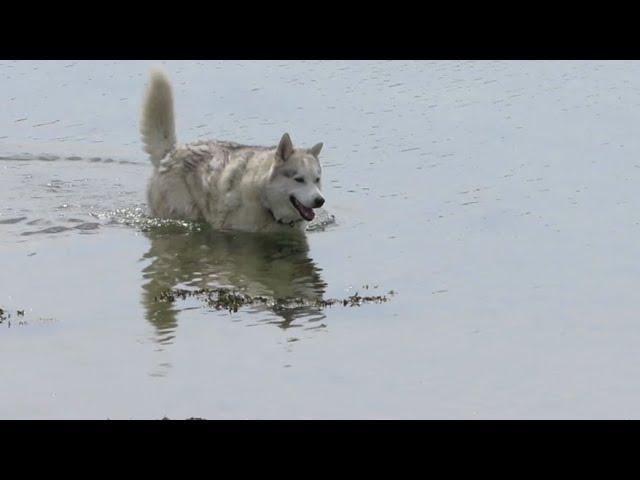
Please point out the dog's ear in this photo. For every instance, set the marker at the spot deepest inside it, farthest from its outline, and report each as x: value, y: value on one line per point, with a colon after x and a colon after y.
x: 285, y: 148
x: 315, y: 150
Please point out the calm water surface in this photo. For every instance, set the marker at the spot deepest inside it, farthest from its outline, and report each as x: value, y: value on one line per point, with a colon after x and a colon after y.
x: 498, y: 199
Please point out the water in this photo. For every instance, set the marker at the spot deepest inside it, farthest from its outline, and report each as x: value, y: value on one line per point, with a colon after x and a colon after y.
x: 497, y: 199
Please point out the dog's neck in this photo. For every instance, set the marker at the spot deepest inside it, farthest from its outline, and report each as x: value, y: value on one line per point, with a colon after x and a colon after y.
x: 279, y: 221
x: 291, y: 224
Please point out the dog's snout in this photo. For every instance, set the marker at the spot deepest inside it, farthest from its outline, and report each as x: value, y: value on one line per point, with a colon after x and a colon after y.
x: 319, y: 201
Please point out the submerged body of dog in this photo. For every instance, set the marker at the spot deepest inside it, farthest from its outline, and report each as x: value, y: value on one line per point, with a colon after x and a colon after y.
x: 231, y: 186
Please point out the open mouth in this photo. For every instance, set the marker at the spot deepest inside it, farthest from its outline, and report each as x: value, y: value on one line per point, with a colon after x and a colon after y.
x: 305, y: 212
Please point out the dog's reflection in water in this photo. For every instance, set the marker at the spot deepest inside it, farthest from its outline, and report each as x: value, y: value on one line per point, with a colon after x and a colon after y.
x: 272, y: 265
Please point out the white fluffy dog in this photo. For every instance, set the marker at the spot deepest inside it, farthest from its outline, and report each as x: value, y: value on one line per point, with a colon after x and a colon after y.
x: 231, y: 186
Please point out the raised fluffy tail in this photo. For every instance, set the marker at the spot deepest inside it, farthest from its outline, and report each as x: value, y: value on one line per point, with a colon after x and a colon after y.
x: 157, y: 125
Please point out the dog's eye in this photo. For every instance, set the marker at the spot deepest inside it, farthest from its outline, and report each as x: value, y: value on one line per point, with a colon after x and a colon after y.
x: 299, y: 180
x: 317, y: 180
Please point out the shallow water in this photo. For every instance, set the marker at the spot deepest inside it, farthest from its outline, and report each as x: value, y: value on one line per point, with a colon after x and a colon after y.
x: 497, y: 199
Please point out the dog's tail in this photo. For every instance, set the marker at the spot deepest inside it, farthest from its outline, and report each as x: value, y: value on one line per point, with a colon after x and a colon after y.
x: 157, y: 125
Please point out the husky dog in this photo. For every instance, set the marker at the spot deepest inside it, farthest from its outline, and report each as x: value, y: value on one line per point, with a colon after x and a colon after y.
x: 231, y: 186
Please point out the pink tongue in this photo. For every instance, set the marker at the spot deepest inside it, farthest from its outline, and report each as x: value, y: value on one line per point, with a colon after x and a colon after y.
x: 307, y: 213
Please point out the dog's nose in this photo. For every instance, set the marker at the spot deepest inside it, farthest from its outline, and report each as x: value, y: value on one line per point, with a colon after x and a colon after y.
x: 318, y: 202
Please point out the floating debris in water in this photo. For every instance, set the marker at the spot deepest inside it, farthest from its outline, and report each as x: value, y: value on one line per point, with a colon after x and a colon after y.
x: 5, y: 316
x: 18, y: 317
x: 190, y: 418
x: 230, y: 300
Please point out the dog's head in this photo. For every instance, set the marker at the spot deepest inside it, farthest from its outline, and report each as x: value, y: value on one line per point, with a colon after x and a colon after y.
x: 294, y: 185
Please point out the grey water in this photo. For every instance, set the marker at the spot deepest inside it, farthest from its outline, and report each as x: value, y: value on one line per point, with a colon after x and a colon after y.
x: 498, y: 200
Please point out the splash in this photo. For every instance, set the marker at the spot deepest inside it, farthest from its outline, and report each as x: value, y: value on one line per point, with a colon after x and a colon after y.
x: 138, y: 218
